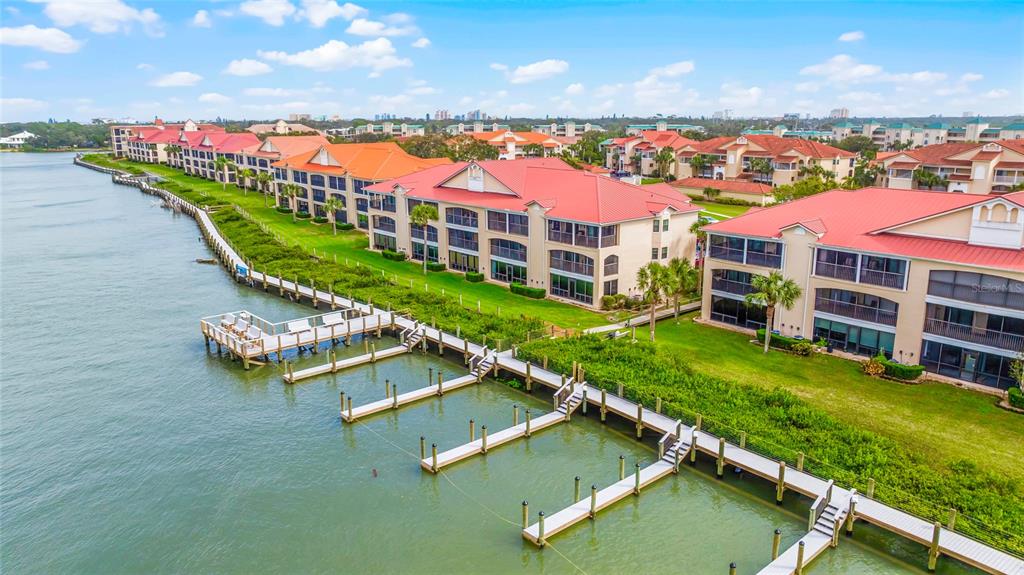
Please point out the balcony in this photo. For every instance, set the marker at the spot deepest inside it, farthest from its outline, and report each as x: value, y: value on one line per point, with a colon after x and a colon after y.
x: 855, y: 311
x: 840, y: 272
x: 463, y: 243
x: 884, y: 279
x: 582, y: 268
x: 726, y: 253
x: 1007, y: 179
x: 560, y: 237
x: 998, y: 339
x: 731, y: 286
x: 764, y: 259
x: 417, y: 233
x: 464, y: 221
x: 384, y: 227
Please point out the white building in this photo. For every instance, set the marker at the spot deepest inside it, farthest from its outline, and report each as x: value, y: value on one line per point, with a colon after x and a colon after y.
x: 17, y: 140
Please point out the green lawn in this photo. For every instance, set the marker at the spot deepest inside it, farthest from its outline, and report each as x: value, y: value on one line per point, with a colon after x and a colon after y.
x: 941, y: 421
x: 721, y: 211
x: 352, y: 246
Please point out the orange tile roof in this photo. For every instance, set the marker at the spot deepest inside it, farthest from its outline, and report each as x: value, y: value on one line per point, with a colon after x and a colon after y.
x: 373, y: 161
x: 287, y: 146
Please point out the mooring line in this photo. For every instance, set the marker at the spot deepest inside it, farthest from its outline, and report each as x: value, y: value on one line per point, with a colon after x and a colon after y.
x: 467, y: 495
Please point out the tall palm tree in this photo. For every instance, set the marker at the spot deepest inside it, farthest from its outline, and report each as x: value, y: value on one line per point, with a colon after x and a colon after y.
x: 698, y: 163
x: 246, y: 175
x: 770, y: 291
x: 292, y: 191
x: 331, y: 206
x: 928, y: 180
x: 262, y: 181
x: 637, y: 162
x: 171, y: 150
x: 684, y: 279
x: 697, y: 229
x: 221, y: 164
x: 663, y: 160
x: 420, y: 216
x: 761, y: 166
x: 653, y: 281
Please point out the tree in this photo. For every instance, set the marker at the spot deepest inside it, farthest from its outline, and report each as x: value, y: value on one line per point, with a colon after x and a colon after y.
x: 221, y: 164
x: 246, y: 176
x: 697, y: 229
x: 711, y: 193
x: 684, y: 280
x: 653, y: 281
x: 292, y: 191
x: 637, y: 162
x: 699, y: 163
x: 171, y: 150
x: 770, y: 291
x: 466, y: 148
x: 428, y: 146
x: 663, y: 160
x: 857, y: 144
x: 928, y: 180
x: 533, y: 150
x: 1017, y: 370
x: 761, y: 166
x: 331, y: 206
x: 262, y: 181
x: 420, y: 216
x: 864, y: 174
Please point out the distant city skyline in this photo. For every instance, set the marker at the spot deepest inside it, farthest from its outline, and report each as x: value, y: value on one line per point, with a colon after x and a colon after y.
x: 272, y: 58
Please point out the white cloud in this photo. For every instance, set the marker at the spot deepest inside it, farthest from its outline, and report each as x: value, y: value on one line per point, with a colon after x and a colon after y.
x: 465, y: 101
x: 214, y: 98
x: 527, y: 73
x: 273, y: 12
x: 176, y: 79
x: 47, y: 39
x: 224, y: 13
x: 423, y: 91
x: 320, y: 12
x: 740, y: 97
x: 18, y: 109
x: 653, y: 92
x: 606, y: 90
x: 922, y: 77
x: 574, y: 89
x: 247, y: 67
x: 202, y: 19
x: 520, y: 109
x: 377, y: 54
x: 390, y: 102
x: 853, y: 36
x: 421, y: 43
x: 674, y: 70
x: 374, y: 74
x: 143, y: 66
x: 364, y: 27
x: 37, y: 65
x: 102, y: 16
x: 996, y: 94
x: 971, y: 77
x: 843, y: 69
x: 603, y: 107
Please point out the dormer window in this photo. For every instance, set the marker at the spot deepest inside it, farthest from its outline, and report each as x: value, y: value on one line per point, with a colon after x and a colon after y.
x: 993, y: 147
x: 475, y: 176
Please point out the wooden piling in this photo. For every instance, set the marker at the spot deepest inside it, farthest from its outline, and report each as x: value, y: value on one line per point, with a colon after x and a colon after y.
x: 529, y: 377
x: 373, y: 353
x: 933, y: 549
x: 732, y: 568
x: 720, y: 469
x: 780, y: 485
x: 440, y: 388
x: 604, y: 405
x: 871, y: 488
x: 675, y: 465
x: 423, y: 447
x: 851, y: 514
x: 540, y: 529
x: 291, y: 373
x: 349, y: 404
x: 776, y: 541
x: 800, y: 559
x: 433, y: 457
x: 622, y: 467
x: 527, y: 423
x: 394, y: 396
x: 472, y: 430
x: 800, y: 461
x: 636, y: 483
x: 700, y: 420
x: 342, y: 398
x: 639, y: 421
x: 576, y: 489
x: 951, y: 524
x: 693, y: 447
x: 584, y: 405
x: 387, y: 389
x: 657, y: 405
x: 593, y: 501
x: 483, y: 438
x: 515, y: 415
x: 526, y: 514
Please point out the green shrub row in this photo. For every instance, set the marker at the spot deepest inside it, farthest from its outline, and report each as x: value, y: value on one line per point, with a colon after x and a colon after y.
x: 721, y: 200
x: 393, y: 256
x: 302, y: 215
x: 1016, y: 397
x: 474, y: 277
x: 531, y: 292
x: 266, y: 254
x: 346, y: 226
x: 779, y: 424
x: 436, y: 266
x: 320, y: 220
x: 282, y: 209
x: 900, y: 371
x: 781, y: 341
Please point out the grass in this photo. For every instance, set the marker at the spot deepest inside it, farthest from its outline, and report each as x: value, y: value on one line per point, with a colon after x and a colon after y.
x: 930, y: 447
x: 718, y: 211
x: 352, y: 246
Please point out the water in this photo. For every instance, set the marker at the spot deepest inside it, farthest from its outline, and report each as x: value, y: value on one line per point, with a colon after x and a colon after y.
x: 129, y: 448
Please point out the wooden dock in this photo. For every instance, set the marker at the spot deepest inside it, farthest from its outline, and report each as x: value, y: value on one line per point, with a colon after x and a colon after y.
x: 338, y: 365
x: 948, y: 542
x: 815, y: 544
x: 351, y: 414
x: 494, y: 440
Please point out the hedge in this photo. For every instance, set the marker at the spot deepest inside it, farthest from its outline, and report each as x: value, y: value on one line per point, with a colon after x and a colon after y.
x: 393, y: 256
x: 531, y: 292
x: 780, y: 424
x: 780, y: 341
x: 320, y: 220
x: 901, y: 371
x: 474, y: 277
x: 284, y: 210
x: 436, y: 266
x: 1016, y: 397
x: 302, y: 215
x: 346, y: 226
x: 720, y: 200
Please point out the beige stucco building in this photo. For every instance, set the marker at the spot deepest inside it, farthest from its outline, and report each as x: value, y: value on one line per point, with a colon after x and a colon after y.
x: 729, y: 158
x: 924, y: 277
x: 967, y: 167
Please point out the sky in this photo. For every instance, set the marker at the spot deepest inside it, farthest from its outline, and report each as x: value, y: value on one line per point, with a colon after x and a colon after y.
x: 263, y: 59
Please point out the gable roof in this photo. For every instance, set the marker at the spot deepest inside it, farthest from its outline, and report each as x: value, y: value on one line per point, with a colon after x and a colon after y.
x: 373, y: 161
x: 857, y: 220
x: 564, y: 192
x: 285, y: 146
x: 735, y: 186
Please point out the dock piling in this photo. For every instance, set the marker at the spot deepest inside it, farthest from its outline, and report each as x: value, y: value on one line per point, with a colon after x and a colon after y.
x: 732, y: 568
x: 933, y: 549
x: 622, y: 467
x: 951, y: 524
x: 440, y: 379
x: 800, y: 461
x: 387, y: 389
x: 526, y: 514
x: 472, y: 430
x: 636, y: 484
x: 693, y: 447
x: 349, y: 404
x: 780, y: 485
x: 433, y: 457
x: 483, y: 438
x: 851, y: 514
x: 721, y: 457
x: 394, y: 396
x: 341, y: 397
x: 639, y: 421
x: 800, y: 559
x: 515, y: 415
x: 871, y: 488
x: 776, y: 541
x: 576, y: 489
x: 584, y: 406
x: 540, y: 529
x: 604, y: 405
x: 527, y: 423
x: 593, y: 501
x: 423, y: 447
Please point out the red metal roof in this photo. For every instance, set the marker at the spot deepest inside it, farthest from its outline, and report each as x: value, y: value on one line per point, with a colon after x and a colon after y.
x: 752, y: 188
x: 852, y: 219
x: 567, y: 193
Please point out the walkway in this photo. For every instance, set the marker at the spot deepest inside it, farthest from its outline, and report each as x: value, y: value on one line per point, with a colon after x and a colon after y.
x: 351, y: 414
x: 335, y: 365
x: 502, y: 437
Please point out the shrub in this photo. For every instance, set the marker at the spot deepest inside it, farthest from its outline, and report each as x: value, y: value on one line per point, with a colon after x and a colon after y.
x: 435, y: 266
x: 474, y: 277
x: 531, y: 292
x: 608, y: 302
x: 320, y: 220
x: 802, y: 348
x: 393, y: 256
x: 721, y: 200
x: 900, y: 371
x: 874, y: 366
x: 346, y: 226
x: 1016, y: 397
x: 782, y: 341
x: 284, y: 210
x: 302, y: 215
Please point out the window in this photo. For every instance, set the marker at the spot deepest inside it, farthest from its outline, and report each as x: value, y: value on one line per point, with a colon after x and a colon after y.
x: 363, y: 221
x: 463, y: 262
x: 881, y: 271
x: 461, y: 217
x: 572, y: 288
x: 967, y: 364
x: 518, y: 224
x: 609, y: 236
x: 300, y: 177
x: 384, y: 242
x: 336, y: 182
x: 362, y: 204
x: 417, y: 233
x: 664, y: 225
x: 316, y: 180
x: 726, y: 248
x: 559, y: 231
x: 463, y: 239
x: 383, y: 224
x: 977, y: 288
x: 319, y: 195
x: 654, y: 253
x: 572, y: 262
x: 417, y: 252
x: 737, y: 312
x: 657, y: 226
x: 358, y: 185
x: 836, y: 264
x: 280, y: 174
x: 854, y: 339
x: 664, y: 252
x: 497, y: 221
x: 508, y: 273
x: 856, y: 305
x: 508, y: 250
x: 611, y: 265
x: 764, y: 253
x: 611, y: 287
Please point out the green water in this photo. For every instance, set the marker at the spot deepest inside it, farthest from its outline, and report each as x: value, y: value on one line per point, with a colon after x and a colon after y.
x: 129, y: 448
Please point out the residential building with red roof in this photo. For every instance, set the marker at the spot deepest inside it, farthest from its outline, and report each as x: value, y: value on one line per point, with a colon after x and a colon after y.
x: 636, y: 154
x: 199, y: 153
x: 147, y: 143
x: 928, y: 278
x: 535, y: 221
x: 259, y: 157
x: 734, y: 158
x: 967, y: 167
x: 344, y: 171
x: 511, y: 145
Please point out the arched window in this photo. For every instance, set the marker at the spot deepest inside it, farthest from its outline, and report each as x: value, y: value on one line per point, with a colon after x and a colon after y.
x: 508, y: 249
x: 611, y: 265
x: 572, y: 262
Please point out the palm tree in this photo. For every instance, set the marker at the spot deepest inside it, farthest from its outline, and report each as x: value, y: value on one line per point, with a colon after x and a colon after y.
x: 653, y: 281
x: 697, y: 229
x: 925, y: 179
x: 637, y: 162
x: 420, y: 216
x: 331, y: 206
x: 684, y: 279
x: 761, y: 166
x: 221, y: 164
x: 171, y: 150
x: 663, y: 160
x: 262, y: 179
x: 770, y: 291
x: 698, y: 163
x: 292, y: 191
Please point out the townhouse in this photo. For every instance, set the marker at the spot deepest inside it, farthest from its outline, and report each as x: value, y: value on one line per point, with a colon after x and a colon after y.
x: 344, y: 172
x: 729, y: 158
x: 199, y: 153
x: 925, y: 278
x: 512, y: 145
x: 902, y: 134
x: 567, y: 130
x: 475, y: 128
x: 536, y: 222
x: 966, y: 167
x: 260, y: 157
x: 146, y: 142
x: 636, y: 154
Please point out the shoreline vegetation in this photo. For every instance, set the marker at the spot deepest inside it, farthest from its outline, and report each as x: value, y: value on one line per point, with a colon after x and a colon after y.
x: 779, y: 421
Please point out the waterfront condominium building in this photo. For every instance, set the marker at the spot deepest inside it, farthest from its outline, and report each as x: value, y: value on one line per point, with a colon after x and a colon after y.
x: 146, y: 142
x: 390, y: 130
x: 344, y: 171
x: 635, y: 154
x: 199, y: 153
x: 903, y: 134
x: 567, y: 130
x: 968, y: 167
x: 661, y: 126
x: 537, y: 222
x: 280, y: 127
x: 732, y: 158
x: 926, y: 278
x: 474, y: 128
x: 259, y: 157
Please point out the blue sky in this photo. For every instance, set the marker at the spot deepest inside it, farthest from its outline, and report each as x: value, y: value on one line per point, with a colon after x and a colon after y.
x: 254, y: 59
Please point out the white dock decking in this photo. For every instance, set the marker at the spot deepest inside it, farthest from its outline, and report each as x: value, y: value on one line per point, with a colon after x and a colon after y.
x: 815, y: 544
x: 406, y: 398
x: 494, y: 440
x: 951, y: 543
x: 335, y: 366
